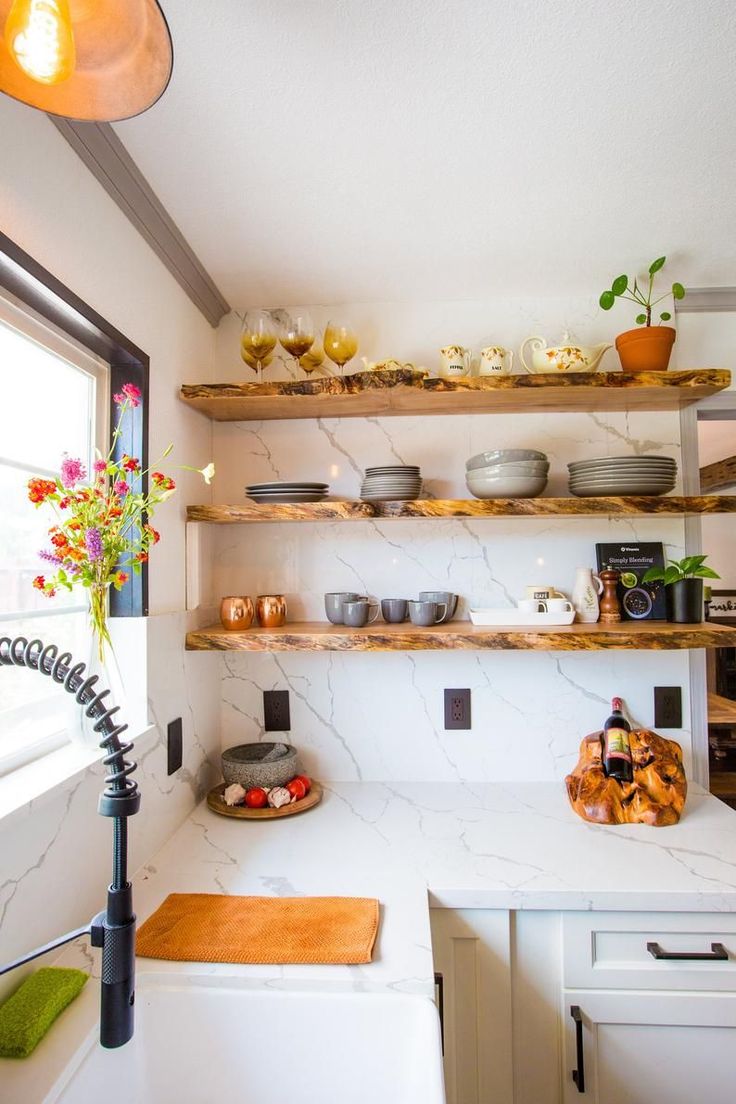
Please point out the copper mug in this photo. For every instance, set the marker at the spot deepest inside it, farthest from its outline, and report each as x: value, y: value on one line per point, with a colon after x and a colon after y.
x: 271, y: 610
x: 236, y: 612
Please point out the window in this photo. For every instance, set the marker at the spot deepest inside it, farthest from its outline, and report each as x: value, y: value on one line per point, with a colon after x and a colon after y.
x: 54, y: 400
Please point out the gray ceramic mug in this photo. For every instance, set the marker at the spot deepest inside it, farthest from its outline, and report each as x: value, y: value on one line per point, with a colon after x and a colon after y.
x: 445, y: 597
x: 334, y: 603
x: 357, y: 614
x: 427, y: 613
x: 394, y: 610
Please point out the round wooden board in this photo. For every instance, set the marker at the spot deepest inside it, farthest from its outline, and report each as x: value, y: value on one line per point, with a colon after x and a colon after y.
x: 242, y: 812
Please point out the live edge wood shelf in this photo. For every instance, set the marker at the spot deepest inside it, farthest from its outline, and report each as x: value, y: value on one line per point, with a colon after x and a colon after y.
x: 461, y: 635
x: 370, y: 394
x: 661, y: 506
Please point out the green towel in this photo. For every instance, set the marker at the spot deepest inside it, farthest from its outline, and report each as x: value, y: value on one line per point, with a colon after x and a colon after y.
x: 29, y: 1013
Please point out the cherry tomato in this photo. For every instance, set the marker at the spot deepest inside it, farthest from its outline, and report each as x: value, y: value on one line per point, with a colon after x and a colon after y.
x: 256, y: 798
x: 303, y: 778
x: 296, y: 788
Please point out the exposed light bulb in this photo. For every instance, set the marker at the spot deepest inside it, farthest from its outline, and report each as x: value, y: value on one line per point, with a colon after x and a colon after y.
x: 40, y: 39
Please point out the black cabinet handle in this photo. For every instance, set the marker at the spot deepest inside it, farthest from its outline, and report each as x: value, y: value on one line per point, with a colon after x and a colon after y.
x: 439, y: 984
x: 717, y: 953
x: 578, y: 1075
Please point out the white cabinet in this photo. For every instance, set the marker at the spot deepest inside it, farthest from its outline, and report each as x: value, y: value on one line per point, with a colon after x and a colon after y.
x: 646, y: 1048
x: 472, y: 953
x: 654, y: 1027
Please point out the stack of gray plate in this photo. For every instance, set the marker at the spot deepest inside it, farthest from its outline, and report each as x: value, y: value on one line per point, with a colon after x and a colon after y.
x: 391, y: 482
x: 287, y: 492
x: 507, y: 473
x: 623, y: 475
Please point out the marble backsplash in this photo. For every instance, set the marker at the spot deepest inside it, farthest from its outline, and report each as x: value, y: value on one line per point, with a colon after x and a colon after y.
x: 380, y: 716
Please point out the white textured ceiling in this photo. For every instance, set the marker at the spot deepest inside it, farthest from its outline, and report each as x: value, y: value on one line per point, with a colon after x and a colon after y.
x: 337, y: 150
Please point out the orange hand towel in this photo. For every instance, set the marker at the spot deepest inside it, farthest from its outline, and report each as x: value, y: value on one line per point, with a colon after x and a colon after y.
x: 207, y: 927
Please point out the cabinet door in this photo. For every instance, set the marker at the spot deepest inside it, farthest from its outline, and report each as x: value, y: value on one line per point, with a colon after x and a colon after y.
x: 472, y: 952
x: 642, y: 1048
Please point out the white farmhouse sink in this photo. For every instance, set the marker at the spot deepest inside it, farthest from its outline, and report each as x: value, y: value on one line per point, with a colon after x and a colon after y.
x: 199, y: 1040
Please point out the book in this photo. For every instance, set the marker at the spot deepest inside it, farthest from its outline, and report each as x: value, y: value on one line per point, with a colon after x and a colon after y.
x: 639, y: 601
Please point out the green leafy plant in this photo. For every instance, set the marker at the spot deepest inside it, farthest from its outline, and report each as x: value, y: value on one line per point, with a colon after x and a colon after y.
x: 692, y: 567
x: 642, y: 296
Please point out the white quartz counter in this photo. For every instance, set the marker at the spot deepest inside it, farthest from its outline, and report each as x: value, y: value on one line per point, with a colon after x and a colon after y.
x: 496, y: 846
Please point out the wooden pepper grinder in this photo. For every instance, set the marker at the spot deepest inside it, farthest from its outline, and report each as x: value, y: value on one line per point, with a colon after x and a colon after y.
x: 610, y: 606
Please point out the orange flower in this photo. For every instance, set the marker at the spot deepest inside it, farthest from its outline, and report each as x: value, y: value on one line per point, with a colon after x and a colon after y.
x: 142, y: 557
x: 40, y: 489
x: 121, y: 577
x: 153, y: 533
x: 39, y: 582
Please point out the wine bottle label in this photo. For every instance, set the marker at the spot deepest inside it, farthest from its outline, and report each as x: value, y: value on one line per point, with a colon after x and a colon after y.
x: 617, y: 744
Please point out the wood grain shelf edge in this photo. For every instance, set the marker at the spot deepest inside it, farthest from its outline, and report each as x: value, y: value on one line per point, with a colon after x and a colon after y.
x: 462, y: 635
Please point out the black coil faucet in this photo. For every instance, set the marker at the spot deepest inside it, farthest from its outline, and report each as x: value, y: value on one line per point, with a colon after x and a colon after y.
x: 113, y: 929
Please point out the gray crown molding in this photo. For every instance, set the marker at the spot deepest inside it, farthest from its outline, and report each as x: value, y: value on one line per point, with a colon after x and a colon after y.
x: 106, y: 157
x: 698, y: 300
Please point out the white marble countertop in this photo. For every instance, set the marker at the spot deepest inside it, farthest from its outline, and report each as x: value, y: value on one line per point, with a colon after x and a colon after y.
x: 498, y: 846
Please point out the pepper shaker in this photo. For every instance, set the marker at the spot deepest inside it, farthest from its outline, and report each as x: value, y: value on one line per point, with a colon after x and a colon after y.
x: 610, y: 605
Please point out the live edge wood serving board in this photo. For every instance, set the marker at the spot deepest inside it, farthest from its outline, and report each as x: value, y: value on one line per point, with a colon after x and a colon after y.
x: 371, y: 394
x: 318, y: 636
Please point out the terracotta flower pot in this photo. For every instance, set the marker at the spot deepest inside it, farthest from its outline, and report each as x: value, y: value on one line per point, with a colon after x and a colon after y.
x: 646, y: 349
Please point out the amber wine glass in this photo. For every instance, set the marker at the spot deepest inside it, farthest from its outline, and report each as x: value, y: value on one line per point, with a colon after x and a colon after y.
x: 297, y: 334
x: 340, y: 342
x: 313, y: 360
x: 258, y: 339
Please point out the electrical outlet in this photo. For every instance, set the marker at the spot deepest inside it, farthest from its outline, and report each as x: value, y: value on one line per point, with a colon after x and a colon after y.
x: 457, y: 709
x: 276, y: 716
x: 173, y: 746
x: 668, y: 707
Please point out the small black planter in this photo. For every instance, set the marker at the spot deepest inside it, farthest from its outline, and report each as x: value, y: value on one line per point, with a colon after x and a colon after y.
x: 685, y: 601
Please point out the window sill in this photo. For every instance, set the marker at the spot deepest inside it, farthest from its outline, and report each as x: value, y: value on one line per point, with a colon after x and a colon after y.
x: 35, y: 779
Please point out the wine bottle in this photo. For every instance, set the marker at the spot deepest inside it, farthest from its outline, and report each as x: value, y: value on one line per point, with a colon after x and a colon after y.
x: 616, y: 747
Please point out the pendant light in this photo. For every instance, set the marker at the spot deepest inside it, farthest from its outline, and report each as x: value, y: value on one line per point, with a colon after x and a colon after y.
x: 99, y: 60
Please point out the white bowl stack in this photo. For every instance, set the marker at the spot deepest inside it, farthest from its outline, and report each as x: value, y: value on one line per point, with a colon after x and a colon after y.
x: 391, y: 482
x: 507, y: 473
x: 623, y: 475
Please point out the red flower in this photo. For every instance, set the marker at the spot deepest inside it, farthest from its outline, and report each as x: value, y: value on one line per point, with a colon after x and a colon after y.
x: 64, y: 504
x: 131, y: 464
x: 120, y: 578
x: 40, y: 489
x: 39, y: 582
x: 128, y: 393
x: 142, y: 557
x: 59, y: 539
x: 153, y: 534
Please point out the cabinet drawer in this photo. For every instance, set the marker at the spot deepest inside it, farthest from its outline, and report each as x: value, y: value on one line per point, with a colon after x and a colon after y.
x: 615, y: 950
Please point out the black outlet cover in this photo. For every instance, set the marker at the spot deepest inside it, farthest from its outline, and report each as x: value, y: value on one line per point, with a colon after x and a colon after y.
x: 668, y: 707
x: 457, y: 709
x: 276, y: 716
x: 173, y: 746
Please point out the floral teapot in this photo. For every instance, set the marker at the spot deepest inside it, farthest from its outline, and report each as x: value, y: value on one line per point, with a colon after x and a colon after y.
x: 565, y: 357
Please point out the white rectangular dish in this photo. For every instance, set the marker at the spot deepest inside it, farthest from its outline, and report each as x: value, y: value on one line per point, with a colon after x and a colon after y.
x: 520, y: 617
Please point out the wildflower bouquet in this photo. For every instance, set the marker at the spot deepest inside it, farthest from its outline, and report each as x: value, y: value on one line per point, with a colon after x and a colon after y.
x: 102, y: 526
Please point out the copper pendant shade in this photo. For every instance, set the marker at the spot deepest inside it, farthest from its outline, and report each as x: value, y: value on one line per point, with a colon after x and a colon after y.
x: 121, y: 57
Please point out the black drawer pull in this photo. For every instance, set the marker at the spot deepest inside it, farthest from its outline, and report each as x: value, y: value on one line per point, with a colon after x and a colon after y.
x: 578, y: 1075
x: 439, y: 984
x: 717, y: 953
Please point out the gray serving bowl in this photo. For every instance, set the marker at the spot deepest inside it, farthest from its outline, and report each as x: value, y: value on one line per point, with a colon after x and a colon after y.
x: 511, y: 467
x: 260, y: 764
x: 503, y: 456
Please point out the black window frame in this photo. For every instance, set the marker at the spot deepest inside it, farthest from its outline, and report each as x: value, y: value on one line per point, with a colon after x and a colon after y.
x: 38, y: 289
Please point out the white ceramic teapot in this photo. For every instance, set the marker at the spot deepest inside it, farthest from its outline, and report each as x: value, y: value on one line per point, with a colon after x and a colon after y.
x: 565, y: 357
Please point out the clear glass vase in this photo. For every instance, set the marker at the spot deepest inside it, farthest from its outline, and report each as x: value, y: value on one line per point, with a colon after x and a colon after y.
x: 109, y: 677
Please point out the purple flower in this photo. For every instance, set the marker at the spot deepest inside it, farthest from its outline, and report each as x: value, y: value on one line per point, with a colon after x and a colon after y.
x: 121, y: 487
x: 72, y: 471
x: 50, y: 557
x: 93, y: 541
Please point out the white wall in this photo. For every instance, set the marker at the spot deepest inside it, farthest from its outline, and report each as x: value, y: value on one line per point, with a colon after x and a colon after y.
x: 54, y: 853
x: 380, y: 716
